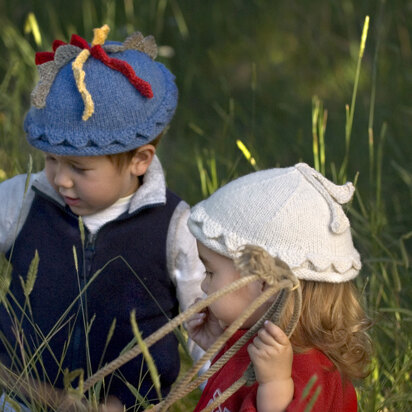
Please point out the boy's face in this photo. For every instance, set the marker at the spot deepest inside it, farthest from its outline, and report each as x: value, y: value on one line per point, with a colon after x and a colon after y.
x: 220, y: 272
x: 89, y: 184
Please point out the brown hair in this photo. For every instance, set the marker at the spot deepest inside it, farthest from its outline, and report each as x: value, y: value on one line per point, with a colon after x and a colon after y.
x: 120, y: 160
x: 333, y: 321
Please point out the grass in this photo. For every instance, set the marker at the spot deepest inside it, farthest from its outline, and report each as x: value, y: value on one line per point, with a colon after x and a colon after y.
x: 187, y: 403
x: 277, y: 92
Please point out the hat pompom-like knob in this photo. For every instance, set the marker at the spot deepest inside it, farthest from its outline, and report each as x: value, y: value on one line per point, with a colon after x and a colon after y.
x: 335, y: 196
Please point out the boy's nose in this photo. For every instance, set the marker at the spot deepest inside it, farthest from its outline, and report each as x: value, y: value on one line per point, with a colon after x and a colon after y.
x: 62, y: 178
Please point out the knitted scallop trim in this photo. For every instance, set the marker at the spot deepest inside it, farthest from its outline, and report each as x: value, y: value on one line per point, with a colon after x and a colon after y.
x: 148, y: 129
x: 211, y: 233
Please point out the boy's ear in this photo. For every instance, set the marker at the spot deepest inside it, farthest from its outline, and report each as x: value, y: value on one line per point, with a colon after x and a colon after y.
x: 142, y: 159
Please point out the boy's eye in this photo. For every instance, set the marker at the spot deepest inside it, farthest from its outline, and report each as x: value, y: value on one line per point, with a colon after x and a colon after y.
x: 78, y: 168
x: 208, y: 273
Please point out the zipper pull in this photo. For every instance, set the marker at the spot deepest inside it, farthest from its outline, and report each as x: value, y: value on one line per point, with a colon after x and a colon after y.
x: 91, y: 237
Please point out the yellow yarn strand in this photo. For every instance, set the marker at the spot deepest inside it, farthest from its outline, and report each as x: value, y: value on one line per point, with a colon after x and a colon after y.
x: 79, y: 76
x: 99, y: 37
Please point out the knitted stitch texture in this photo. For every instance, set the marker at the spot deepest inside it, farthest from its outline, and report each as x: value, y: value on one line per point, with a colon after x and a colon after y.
x: 294, y: 213
x: 123, y: 119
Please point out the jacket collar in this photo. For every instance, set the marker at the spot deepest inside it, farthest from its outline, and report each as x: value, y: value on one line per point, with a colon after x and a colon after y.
x: 153, y: 189
x: 151, y: 192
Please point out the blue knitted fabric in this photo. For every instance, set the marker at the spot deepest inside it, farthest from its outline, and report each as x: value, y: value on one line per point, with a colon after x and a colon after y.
x: 122, y: 120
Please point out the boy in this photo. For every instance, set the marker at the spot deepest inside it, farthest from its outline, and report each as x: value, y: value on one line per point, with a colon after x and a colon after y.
x: 97, y: 113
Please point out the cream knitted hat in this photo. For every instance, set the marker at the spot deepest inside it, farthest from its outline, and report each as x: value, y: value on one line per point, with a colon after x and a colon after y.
x: 293, y: 213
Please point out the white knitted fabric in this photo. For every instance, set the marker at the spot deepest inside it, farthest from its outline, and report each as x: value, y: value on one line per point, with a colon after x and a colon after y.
x: 294, y: 213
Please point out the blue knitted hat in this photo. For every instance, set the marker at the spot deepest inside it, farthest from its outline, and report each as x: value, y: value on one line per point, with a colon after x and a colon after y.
x: 106, y: 98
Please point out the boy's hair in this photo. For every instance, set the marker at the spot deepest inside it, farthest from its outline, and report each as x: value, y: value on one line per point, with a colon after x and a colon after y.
x: 100, y: 99
x: 120, y: 160
x: 333, y: 321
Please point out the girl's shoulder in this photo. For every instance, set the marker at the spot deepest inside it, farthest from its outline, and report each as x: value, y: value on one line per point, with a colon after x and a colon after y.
x: 315, y: 375
x: 310, y: 356
x: 313, y: 362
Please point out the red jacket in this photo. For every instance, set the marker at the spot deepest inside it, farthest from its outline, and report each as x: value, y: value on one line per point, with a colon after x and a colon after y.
x: 334, y: 396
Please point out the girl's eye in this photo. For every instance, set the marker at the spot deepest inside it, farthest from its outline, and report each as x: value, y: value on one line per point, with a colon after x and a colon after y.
x: 208, y: 273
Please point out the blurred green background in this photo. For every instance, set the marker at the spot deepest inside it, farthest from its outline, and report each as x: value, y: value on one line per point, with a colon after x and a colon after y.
x: 252, y: 70
x: 245, y: 70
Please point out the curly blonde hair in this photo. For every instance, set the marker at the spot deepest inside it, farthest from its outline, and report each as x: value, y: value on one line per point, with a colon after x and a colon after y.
x: 333, y: 321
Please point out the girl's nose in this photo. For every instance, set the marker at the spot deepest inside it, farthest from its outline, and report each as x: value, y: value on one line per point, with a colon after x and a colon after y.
x: 203, y: 285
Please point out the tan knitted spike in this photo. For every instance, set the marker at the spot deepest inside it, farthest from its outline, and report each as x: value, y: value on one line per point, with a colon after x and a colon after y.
x: 64, y: 54
x: 48, y: 71
x: 150, y: 46
x: 144, y: 44
x: 47, y: 74
x: 134, y: 41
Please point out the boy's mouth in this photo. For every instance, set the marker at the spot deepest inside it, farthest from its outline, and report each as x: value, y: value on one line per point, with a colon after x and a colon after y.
x: 71, y: 201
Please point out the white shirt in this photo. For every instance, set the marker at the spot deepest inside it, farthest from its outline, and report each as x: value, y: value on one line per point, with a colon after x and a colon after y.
x: 95, y: 221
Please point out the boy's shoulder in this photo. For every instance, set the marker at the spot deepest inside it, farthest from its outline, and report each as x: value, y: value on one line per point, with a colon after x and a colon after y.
x: 15, y: 199
x: 14, y: 189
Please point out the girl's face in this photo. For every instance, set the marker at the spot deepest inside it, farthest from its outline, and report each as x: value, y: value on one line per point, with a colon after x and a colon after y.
x: 89, y: 184
x: 220, y: 272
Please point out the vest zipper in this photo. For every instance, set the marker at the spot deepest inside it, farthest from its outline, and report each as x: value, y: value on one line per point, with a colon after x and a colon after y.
x: 79, y: 334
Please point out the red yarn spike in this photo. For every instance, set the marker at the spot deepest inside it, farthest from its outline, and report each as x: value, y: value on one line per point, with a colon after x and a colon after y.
x: 123, y: 67
x: 43, y: 57
x: 78, y: 41
x: 57, y: 43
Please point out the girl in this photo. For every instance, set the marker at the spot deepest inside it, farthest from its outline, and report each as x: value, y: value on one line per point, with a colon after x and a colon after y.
x: 293, y: 214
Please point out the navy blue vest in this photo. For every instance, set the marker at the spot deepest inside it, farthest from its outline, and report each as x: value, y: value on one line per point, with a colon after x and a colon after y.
x: 127, y: 259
